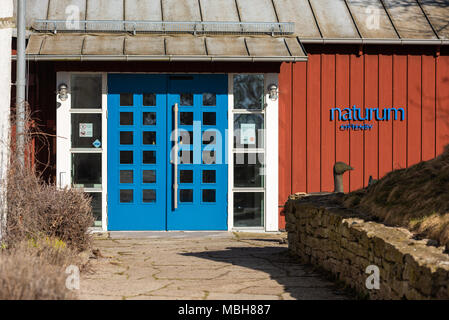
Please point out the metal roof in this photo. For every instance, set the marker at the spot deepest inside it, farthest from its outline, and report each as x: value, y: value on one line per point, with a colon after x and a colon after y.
x: 311, y: 21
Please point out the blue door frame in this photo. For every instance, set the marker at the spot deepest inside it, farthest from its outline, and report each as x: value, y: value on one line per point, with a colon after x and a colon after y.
x: 140, y: 160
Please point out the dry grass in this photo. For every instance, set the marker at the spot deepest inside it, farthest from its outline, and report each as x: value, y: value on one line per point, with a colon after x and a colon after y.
x: 416, y: 198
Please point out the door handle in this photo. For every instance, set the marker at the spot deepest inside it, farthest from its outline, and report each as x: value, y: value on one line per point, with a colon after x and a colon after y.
x: 175, y: 158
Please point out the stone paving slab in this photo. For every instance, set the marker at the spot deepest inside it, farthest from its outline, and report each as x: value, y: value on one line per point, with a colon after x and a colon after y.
x: 200, y: 265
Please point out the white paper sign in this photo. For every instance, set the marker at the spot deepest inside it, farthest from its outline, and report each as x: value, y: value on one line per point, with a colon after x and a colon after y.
x: 86, y: 130
x: 247, y: 133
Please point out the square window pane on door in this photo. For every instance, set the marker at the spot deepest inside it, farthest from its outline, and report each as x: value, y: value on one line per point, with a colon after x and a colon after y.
x: 149, y: 137
x: 149, y: 118
x: 209, y: 137
x: 149, y: 157
x: 209, y: 118
x: 249, y: 170
x: 209, y: 99
x: 149, y: 176
x: 126, y: 99
x: 185, y: 137
x: 209, y: 157
x: 186, y: 176
x: 209, y: 176
x: 148, y: 195
x: 86, y: 128
x: 186, y: 99
x: 185, y: 157
x: 126, y: 196
x: 186, y: 118
x: 248, y: 209
x: 126, y: 137
x: 126, y: 176
x: 86, y: 170
x: 248, y: 91
x: 186, y: 195
x: 248, y: 131
x: 86, y: 91
x: 149, y: 99
x: 126, y: 118
x: 208, y: 195
x: 126, y: 157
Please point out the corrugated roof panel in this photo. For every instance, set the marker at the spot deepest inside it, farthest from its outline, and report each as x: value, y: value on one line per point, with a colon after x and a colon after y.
x: 185, y: 46
x: 371, y: 19
x: 105, y: 10
x: 266, y: 47
x: 409, y: 19
x: 294, y: 47
x: 334, y: 19
x: 103, y: 45
x: 256, y: 11
x: 438, y: 14
x: 225, y: 11
x: 143, y: 10
x: 299, y: 12
x: 34, y: 44
x: 186, y: 10
x: 61, y: 9
x: 35, y: 9
x: 144, y: 45
x: 226, y: 46
x: 62, y: 45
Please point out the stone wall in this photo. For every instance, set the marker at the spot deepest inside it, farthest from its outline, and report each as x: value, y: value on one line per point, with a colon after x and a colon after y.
x: 345, y: 243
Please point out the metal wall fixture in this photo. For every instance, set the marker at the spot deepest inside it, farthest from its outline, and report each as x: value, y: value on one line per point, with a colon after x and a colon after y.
x: 166, y: 27
x: 63, y: 92
x: 273, y: 92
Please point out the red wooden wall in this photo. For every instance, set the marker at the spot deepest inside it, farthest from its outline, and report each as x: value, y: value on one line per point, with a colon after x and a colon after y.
x: 416, y: 79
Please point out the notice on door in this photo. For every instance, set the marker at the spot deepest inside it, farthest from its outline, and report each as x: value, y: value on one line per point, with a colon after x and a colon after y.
x: 247, y: 133
x: 86, y: 130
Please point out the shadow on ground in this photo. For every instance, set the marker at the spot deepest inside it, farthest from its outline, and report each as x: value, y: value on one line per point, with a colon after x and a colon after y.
x: 300, y: 281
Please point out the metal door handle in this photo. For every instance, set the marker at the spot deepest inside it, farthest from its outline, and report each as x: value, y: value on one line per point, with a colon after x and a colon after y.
x: 175, y: 160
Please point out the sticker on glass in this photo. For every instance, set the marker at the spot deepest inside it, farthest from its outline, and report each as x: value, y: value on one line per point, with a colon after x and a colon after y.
x: 248, y: 133
x: 86, y: 130
x: 96, y: 143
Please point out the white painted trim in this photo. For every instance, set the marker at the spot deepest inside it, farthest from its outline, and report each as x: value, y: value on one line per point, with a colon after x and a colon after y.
x: 271, y: 157
x: 104, y: 158
x: 63, y: 134
x: 230, y: 147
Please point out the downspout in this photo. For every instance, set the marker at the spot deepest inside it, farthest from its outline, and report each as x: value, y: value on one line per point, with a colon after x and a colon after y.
x: 20, y: 82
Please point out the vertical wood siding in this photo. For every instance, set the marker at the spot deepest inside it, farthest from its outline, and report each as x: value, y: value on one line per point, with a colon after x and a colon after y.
x: 414, y: 79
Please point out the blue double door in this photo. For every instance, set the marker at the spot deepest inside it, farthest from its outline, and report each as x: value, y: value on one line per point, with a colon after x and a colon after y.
x: 167, y: 152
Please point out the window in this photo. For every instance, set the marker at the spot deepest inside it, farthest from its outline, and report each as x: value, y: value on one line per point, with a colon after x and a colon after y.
x: 249, y: 151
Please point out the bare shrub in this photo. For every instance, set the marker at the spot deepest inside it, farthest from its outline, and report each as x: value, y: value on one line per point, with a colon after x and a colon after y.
x: 37, y: 209
x: 32, y: 271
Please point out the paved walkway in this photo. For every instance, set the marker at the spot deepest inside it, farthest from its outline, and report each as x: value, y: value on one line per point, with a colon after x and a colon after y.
x: 196, y: 265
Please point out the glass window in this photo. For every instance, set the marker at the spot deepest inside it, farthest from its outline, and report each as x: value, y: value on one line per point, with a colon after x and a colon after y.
x: 248, y: 91
x: 186, y: 118
x: 126, y: 99
x: 86, y: 170
x: 149, y: 176
x: 149, y: 118
x: 126, y: 137
x: 149, y: 99
x: 209, y: 99
x: 126, y: 196
x: 209, y: 137
x: 149, y: 157
x: 86, y: 91
x: 209, y: 118
x: 186, y: 176
x: 148, y: 195
x: 248, y: 131
x: 149, y: 137
x: 209, y: 176
x: 248, y: 209
x: 126, y: 157
x: 185, y: 157
x: 209, y: 157
x: 208, y: 195
x: 186, y: 195
x: 185, y: 137
x: 249, y: 170
x: 186, y: 99
x: 96, y: 207
x: 86, y: 129
x: 126, y: 176
x: 126, y: 119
